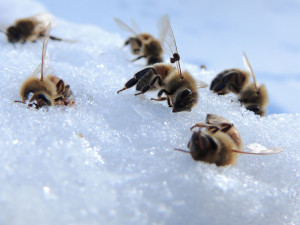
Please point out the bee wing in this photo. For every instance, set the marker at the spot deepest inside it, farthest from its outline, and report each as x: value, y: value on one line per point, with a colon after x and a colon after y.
x: 42, y: 20
x: 3, y: 29
x: 45, y: 43
x: 136, y: 27
x: 166, y: 35
x: 124, y: 26
x: 258, y: 149
x: 201, y: 84
x: 249, y: 68
x: 167, y: 39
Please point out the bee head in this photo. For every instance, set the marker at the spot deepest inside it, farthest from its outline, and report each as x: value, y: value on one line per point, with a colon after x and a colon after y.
x: 40, y: 99
x: 202, y: 145
x: 184, y: 101
x: 13, y: 34
x: 135, y: 45
x: 249, y: 95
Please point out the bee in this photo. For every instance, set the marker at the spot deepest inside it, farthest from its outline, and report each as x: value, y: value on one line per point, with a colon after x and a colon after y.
x: 45, y: 91
x: 253, y: 97
x: 29, y: 29
x: 180, y: 88
x: 237, y: 81
x: 221, y: 143
x: 144, y: 45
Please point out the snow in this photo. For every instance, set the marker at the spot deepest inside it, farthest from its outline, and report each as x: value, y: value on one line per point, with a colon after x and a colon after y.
x: 111, y: 159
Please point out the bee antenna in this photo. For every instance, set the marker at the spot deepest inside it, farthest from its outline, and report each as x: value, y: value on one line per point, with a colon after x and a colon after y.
x: 249, y: 67
x: 182, y: 150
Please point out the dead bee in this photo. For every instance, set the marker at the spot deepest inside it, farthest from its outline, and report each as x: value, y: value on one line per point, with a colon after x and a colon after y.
x: 29, y: 29
x: 45, y: 91
x: 254, y: 98
x: 180, y: 88
x: 203, y: 67
x: 181, y: 93
x: 143, y: 44
x: 221, y: 143
x: 231, y: 80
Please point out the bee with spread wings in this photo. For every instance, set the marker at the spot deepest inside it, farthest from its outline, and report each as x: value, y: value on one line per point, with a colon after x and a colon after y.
x: 252, y: 96
x: 45, y: 91
x: 180, y: 88
x: 221, y: 143
x: 30, y: 29
x: 144, y: 45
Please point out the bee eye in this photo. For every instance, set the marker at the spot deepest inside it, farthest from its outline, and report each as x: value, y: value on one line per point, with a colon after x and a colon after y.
x: 185, y: 92
x: 245, y: 100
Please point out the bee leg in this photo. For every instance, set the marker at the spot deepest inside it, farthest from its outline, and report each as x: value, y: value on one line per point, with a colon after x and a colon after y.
x: 55, y: 38
x: 67, y: 92
x: 201, y: 125
x: 129, y: 84
x: 144, y: 89
x: 159, y: 94
x: 142, y: 56
x: 136, y: 77
x: 156, y: 78
x: 225, y: 127
x: 60, y: 98
x: 145, y: 71
x: 60, y: 86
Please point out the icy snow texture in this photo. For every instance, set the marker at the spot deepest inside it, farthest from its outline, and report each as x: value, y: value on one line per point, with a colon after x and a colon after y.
x: 124, y: 169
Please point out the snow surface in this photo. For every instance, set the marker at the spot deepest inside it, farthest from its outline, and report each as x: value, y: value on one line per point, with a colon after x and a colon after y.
x: 110, y: 159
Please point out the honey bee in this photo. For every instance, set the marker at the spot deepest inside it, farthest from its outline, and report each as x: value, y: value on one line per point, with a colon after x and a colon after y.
x: 180, y: 88
x: 221, y: 143
x: 143, y: 44
x: 182, y: 94
x: 29, y: 29
x: 234, y: 80
x: 45, y: 91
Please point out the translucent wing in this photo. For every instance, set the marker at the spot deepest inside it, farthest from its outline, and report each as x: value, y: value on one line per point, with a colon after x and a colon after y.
x: 136, y: 27
x: 258, y: 149
x: 2, y: 29
x: 167, y: 38
x: 201, y: 84
x: 249, y: 68
x: 45, y: 42
x: 124, y: 26
x: 42, y: 20
x: 37, y: 70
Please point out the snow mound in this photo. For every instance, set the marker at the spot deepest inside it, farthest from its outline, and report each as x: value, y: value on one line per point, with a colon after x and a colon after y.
x: 111, y: 159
